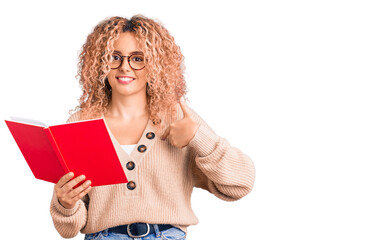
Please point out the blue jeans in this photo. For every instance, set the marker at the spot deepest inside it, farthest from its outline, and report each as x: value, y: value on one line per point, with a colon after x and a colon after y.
x: 169, y: 234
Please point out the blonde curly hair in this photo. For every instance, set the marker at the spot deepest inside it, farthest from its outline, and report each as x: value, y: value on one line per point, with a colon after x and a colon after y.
x: 164, y: 61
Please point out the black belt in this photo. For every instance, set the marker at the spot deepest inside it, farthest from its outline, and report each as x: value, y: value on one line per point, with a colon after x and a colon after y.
x: 138, y: 229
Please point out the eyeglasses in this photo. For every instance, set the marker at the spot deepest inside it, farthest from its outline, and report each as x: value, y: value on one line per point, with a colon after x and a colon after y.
x: 136, y: 61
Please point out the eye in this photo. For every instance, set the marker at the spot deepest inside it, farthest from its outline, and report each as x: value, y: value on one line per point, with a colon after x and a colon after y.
x: 138, y: 58
x: 115, y: 57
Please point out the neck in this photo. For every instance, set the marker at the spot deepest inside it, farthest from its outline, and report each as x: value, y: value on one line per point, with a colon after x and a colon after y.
x: 128, y: 107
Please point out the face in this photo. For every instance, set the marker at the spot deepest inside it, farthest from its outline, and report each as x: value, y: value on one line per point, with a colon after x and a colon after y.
x: 124, y: 80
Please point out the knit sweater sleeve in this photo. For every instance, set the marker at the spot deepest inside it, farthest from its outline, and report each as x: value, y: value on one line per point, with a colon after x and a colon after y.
x: 220, y: 168
x: 69, y: 222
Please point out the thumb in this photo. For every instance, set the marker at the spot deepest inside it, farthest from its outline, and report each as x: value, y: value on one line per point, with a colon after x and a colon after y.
x: 165, y: 134
x: 184, y: 108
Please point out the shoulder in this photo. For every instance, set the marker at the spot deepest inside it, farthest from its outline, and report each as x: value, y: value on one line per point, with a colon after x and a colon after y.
x: 74, y: 117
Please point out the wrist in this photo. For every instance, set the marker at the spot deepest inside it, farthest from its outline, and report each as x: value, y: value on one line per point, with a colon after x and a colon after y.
x: 66, y: 206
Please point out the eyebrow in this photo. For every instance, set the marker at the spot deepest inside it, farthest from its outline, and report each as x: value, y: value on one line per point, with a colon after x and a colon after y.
x: 131, y: 53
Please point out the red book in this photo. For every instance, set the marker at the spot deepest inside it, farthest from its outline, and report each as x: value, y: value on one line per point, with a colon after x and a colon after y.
x: 82, y: 147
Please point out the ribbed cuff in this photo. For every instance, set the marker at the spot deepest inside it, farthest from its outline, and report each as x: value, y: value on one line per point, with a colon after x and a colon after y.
x: 204, y: 141
x: 62, y: 210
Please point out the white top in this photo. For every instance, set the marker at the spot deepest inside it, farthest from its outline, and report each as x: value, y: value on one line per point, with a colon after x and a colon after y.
x: 128, y: 148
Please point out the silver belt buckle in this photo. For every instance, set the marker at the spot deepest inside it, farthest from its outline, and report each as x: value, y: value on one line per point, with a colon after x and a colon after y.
x: 137, y: 236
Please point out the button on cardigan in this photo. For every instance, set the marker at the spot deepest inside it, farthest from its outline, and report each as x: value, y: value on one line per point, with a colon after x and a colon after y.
x: 164, y: 178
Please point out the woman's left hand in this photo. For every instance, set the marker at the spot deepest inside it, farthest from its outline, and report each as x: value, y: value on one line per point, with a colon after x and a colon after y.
x: 182, y: 131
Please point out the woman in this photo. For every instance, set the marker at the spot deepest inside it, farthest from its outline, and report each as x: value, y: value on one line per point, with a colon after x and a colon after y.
x: 131, y: 73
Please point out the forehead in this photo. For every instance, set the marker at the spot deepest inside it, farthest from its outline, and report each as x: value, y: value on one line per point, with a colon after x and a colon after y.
x: 126, y: 43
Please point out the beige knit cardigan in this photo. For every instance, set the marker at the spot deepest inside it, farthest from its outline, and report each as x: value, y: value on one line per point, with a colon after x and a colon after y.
x: 164, y: 177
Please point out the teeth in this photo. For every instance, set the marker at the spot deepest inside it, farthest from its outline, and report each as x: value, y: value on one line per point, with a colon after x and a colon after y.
x: 125, y: 78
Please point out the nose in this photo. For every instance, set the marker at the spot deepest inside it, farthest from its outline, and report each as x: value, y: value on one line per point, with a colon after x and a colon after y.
x: 125, y: 65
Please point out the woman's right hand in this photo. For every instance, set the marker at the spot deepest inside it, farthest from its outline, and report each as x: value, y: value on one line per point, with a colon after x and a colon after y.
x: 66, y: 195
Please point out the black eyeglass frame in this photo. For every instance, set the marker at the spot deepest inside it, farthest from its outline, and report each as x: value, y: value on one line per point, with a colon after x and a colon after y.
x: 129, y: 57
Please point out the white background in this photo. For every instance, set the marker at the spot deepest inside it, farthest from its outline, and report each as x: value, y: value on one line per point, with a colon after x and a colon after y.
x: 302, y: 87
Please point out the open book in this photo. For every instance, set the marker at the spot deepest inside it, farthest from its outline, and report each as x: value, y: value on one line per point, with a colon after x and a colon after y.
x: 82, y: 147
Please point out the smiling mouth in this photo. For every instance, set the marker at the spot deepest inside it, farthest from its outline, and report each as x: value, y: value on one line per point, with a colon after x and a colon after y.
x: 125, y: 80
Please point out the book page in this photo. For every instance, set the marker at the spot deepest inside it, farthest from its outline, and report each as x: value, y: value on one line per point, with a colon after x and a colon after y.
x: 28, y: 121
